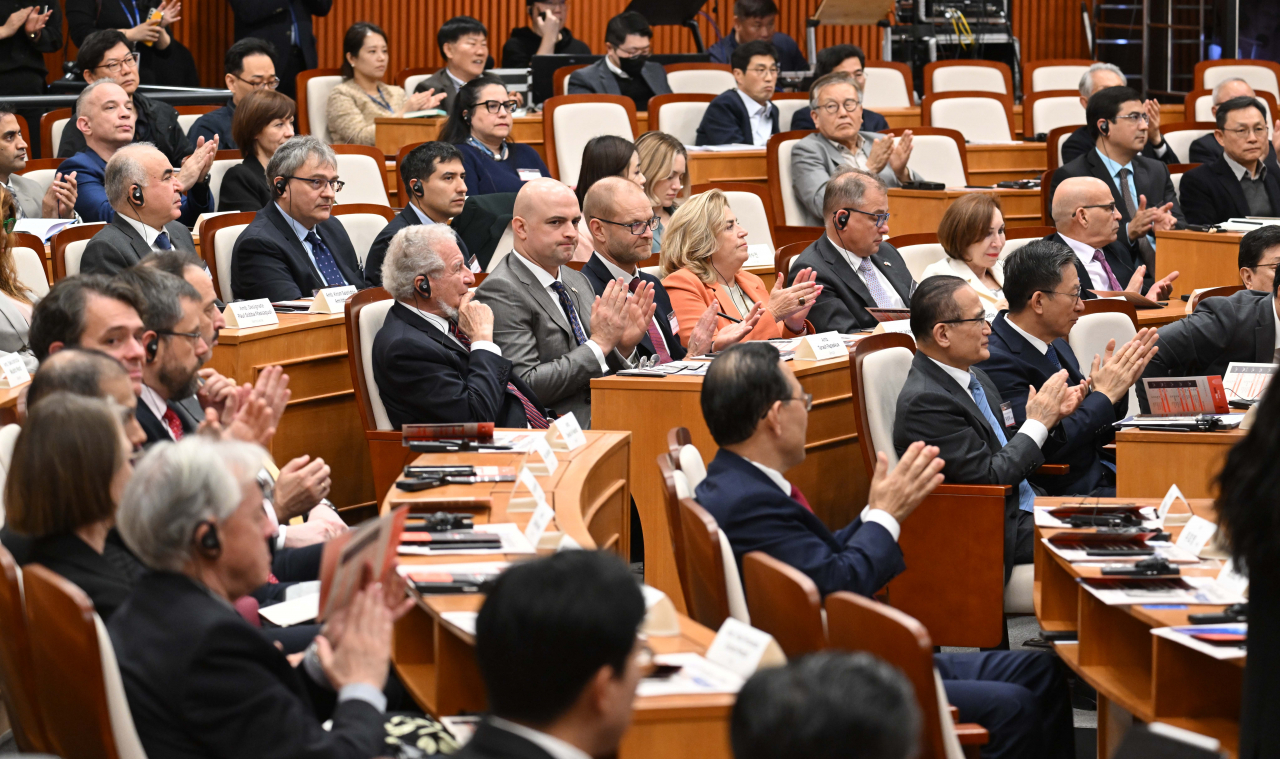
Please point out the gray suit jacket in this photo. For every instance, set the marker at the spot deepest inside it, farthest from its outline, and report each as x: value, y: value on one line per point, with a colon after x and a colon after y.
x: 597, y: 79
x: 534, y: 334
x: 814, y: 159
x: 28, y: 194
x: 845, y: 298
x: 440, y: 82
x: 119, y: 246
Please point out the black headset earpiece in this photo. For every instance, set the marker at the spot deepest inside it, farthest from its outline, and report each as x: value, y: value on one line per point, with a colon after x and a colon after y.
x: 281, y: 183
x: 424, y: 286
x: 209, y: 541
x: 415, y: 186
x: 153, y: 347
x: 1104, y: 127
x: 135, y: 195
x: 842, y: 218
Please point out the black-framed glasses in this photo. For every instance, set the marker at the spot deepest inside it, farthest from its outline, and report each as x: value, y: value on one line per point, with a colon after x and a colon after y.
x: 982, y: 318
x: 270, y: 84
x: 194, y: 337
x: 1108, y: 207
x: 636, y: 227
x: 1259, y: 266
x: 850, y: 106
x: 807, y: 398
x: 493, y: 106
x: 114, y: 67
x: 318, y: 183
x: 1075, y: 296
x: 879, y: 218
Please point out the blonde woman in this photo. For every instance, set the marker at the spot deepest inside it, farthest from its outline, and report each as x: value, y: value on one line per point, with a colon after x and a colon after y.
x: 702, y: 265
x: 16, y: 301
x: 665, y: 164
x: 972, y: 235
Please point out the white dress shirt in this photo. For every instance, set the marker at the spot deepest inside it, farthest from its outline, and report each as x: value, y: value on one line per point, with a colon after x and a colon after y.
x: 616, y: 71
x: 879, y: 516
x: 626, y: 278
x: 1031, y: 428
x: 149, y: 234
x: 758, y: 118
x: 302, y: 232
x: 1276, y: 315
x: 157, y: 406
x: 545, y: 280
x: 442, y: 324
x: 854, y: 261
x: 557, y: 748
x: 1036, y: 342
x: 1097, y: 274
x: 422, y: 217
x: 954, y: 267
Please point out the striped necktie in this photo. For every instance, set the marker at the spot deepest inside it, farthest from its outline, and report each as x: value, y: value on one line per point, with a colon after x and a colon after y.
x: 536, y: 419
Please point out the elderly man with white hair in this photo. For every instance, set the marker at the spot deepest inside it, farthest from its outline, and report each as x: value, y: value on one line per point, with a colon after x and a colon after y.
x: 201, y: 681
x: 434, y: 359
x: 1100, y: 76
x: 1207, y: 149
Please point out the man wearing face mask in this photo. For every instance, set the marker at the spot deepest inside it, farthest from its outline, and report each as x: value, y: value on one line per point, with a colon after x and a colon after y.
x: 626, y: 68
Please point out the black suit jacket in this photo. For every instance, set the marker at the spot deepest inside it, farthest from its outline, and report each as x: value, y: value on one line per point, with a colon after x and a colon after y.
x: 118, y: 246
x: 934, y: 408
x: 1077, y: 440
x: 491, y: 742
x: 202, y: 682
x: 843, y: 305
x: 1080, y: 143
x: 102, y: 576
x: 1241, y: 327
x: 1211, y: 193
x: 157, y: 430
x: 245, y: 187
x: 268, y: 260
x: 599, y: 275
x: 378, y: 251
x: 1122, y: 265
x: 271, y: 21
x: 725, y: 122
x: 427, y: 378
x: 1206, y: 149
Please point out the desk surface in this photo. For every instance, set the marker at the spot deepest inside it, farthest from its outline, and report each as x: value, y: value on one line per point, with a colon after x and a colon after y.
x: 289, y: 323
x: 1147, y: 463
x: 1158, y: 317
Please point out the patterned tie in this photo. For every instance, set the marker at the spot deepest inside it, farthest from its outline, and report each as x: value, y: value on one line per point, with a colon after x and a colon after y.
x: 567, y: 304
x: 799, y: 498
x: 655, y: 334
x: 1026, y: 496
x: 1144, y: 245
x: 1112, y: 283
x: 867, y: 270
x: 175, y: 424
x: 1052, y: 355
x: 537, y: 420
x: 325, y: 262
x: 162, y: 241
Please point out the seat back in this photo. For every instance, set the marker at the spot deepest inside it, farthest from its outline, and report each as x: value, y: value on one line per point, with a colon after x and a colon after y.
x: 1056, y: 139
x: 750, y: 204
x: 1180, y: 136
x: 1013, y: 243
x: 217, y: 171
x: 365, y: 313
x: 560, y: 77
x: 700, y: 78
x: 8, y: 438
x: 505, y: 245
x: 707, y: 598
x: 364, y: 170
x: 42, y: 171
x: 1175, y: 175
x: 937, y: 154
x: 878, y: 370
x: 51, y: 125
x: 68, y: 248
x: 363, y: 222
x: 793, y: 214
x: 1044, y: 112
x: 188, y: 120
x: 29, y: 263
x: 313, y: 90
x: 16, y: 671
x: 1260, y: 74
x: 888, y: 86
x: 1054, y: 74
x: 787, y: 104
x: 412, y: 81
x: 981, y: 76
x: 570, y: 121
x: 785, y: 257
x: 979, y: 116
x: 676, y: 487
x: 679, y: 114
x: 218, y: 235
x: 1102, y: 321
x: 921, y: 256
x: 685, y: 457
x: 785, y: 603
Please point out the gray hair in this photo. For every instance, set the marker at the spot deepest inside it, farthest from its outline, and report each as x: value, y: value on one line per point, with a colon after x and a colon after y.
x: 414, y: 252
x: 847, y: 187
x: 124, y: 170
x: 84, y: 94
x: 825, y: 81
x: 1086, y: 81
x: 160, y: 296
x: 1217, y: 88
x: 177, y: 486
x: 290, y: 156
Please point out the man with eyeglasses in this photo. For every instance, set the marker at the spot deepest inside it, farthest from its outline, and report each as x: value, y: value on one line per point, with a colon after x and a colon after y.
x: 851, y: 60
x: 757, y: 20
x: 1140, y: 186
x: 1207, y: 149
x: 625, y: 68
x: 1101, y: 76
x: 836, y: 107
x: 1239, y: 183
x: 1028, y: 345
x: 1258, y: 257
x: 744, y: 115
x: 249, y: 65
x: 464, y: 44
x: 294, y: 247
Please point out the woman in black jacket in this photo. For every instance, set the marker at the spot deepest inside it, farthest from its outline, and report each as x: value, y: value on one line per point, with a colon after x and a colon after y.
x: 263, y: 121
x: 164, y: 60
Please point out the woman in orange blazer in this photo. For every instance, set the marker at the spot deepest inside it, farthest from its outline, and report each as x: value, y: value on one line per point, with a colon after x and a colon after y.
x: 703, y: 251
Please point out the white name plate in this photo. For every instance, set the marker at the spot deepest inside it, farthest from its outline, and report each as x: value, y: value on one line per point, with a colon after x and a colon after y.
x: 566, y: 434
x: 821, y: 346
x: 330, y: 299
x: 535, y: 495
x: 549, y: 461
x: 15, y: 372
x: 542, y: 517
x: 250, y: 313
x: 742, y: 649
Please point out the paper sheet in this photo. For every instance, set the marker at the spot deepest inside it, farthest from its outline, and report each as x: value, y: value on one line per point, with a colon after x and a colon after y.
x: 45, y: 229
x: 697, y: 675
x: 474, y: 567
x: 1175, y: 554
x: 1204, y: 590
x: 463, y: 620
x: 513, y: 541
x: 1215, y: 650
x: 295, y: 612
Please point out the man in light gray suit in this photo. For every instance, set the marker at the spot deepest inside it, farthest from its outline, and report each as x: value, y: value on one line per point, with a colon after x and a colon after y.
x: 145, y: 193
x: 625, y: 68
x: 548, y: 321
x: 837, y: 112
x: 33, y: 201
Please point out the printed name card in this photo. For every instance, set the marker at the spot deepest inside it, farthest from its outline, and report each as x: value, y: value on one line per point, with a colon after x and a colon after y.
x: 15, y: 372
x: 1166, y: 507
x: 742, y: 649
x: 1195, y: 536
x: 250, y: 313
x: 542, y: 517
x: 1232, y: 580
x: 329, y: 300
x: 821, y: 346
x: 566, y: 434
x: 536, y: 496
x: 549, y: 461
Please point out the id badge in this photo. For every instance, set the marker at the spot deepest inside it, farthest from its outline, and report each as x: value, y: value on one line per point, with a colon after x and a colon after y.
x: 474, y: 264
x: 528, y: 175
x: 673, y: 323
x: 1007, y: 410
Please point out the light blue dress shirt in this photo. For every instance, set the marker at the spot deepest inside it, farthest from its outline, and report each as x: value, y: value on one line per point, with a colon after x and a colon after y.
x: 1114, y: 169
x: 302, y: 233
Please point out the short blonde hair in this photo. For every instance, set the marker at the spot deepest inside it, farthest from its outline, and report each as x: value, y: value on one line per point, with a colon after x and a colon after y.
x: 658, y: 151
x: 693, y: 235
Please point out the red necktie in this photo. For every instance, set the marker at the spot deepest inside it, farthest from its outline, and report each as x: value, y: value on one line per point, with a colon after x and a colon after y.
x: 537, y: 420
x: 175, y: 424
x: 799, y: 498
x: 655, y: 334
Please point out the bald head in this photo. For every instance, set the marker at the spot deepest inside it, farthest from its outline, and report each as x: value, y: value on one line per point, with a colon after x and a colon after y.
x: 545, y: 223
x: 1077, y: 215
x: 104, y: 113
x: 606, y: 195
x: 622, y: 202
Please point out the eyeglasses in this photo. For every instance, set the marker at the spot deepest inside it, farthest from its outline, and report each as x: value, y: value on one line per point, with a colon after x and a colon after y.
x: 9, y: 223
x: 266, y: 485
x: 129, y: 61
x: 879, y: 218
x: 1108, y: 207
x: 1075, y: 296
x: 1258, y: 131
x: 1259, y: 266
x: 850, y: 106
x: 1135, y: 117
x: 270, y: 84
x: 194, y: 337
x: 641, y: 53
x: 637, y: 227
x: 765, y: 71
x: 493, y: 106
x: 982, y: 318
x: 806, y: 397
x: 318, y: 183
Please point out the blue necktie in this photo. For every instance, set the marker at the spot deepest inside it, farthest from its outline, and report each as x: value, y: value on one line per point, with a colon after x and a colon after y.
x: 567, y: 304
x: 295, y: 34
x: 1026, y: 496
x: 162, y: 241
x: 324, y: 262
x: 1052, y: 355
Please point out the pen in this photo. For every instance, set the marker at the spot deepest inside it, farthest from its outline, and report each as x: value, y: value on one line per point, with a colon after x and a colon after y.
x: 730, y: 318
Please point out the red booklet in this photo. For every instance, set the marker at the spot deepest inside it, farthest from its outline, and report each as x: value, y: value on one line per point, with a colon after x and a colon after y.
x: 371, y: 548
x: 468, y: 431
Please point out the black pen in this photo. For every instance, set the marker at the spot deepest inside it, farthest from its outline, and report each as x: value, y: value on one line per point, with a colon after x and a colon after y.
x: 730, y: 318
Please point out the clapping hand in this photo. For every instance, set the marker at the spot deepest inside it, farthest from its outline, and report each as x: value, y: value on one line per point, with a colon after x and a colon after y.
x: 639, y: 314
x: 791, y: 305
x: 734, y: 333
x: 702, y: 338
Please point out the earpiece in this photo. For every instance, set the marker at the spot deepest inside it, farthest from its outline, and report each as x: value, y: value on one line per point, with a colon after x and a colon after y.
x: 135, y: 196
x: 281, y: 183
x: 152, y: 348
x: 415, y: 186
x: 424, y: 286
x: 842, y: 218
x: 1105, y: 127
x: 209, y: 541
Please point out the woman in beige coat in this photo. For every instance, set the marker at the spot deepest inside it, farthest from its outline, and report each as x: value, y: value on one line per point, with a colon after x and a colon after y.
x: 972, y: 235
x: 363, y: 96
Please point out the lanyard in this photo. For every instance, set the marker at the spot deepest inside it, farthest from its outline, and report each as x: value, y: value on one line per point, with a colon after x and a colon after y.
x: 135, y: 18
x: 381, y: 100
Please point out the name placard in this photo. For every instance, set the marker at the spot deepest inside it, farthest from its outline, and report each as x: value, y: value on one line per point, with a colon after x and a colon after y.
x: 549, y: 461
x: 15, y: 372
x: 542, y: 517
x: 821, y: 346
x: 329, y: 300
x: 250, y: 313
x: 742, y: 648
x: 1195, y: 536
x: 566, y: 434
x: 535, y: 498
x: 1165, y: 513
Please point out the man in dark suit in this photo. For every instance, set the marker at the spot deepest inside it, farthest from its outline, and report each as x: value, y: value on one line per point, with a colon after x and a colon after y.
x: 206, y: 549
x: 248, y: 65
x: 1028, y: 345
x: 757, y: 20
x: 744, y: 115
x: 1241, y: 327
x: 434, y: 359
x: 145, y: 193
x: 625, y: 68
x: 948, y: 401
x: 1258, y: 257
x: 464, y: 44
x: 1099, y: 77
x: 850, y: 60
x: 855, y: 268
x: 293, y: 247
x: 286, y: 24
x: 1239, y: 183
x: 1140, y: 186
x: 434, y: 176
x: 1207, y: 149
x: 574, y: 698
x: 757, y: 412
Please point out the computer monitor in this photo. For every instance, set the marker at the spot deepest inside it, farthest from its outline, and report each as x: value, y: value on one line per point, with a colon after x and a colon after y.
x: 543, y: 67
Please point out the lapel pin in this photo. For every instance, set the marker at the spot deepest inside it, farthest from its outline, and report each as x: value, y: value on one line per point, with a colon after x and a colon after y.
x: 886, y: 263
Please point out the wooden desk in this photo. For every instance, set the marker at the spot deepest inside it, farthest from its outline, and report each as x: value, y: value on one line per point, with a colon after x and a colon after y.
x: 436, y: 660
x: 9, y: 397
x: 989, y: 164
x: 1203, y: 259
x: 917, y: 211
x: 900, y: 117
x: 1147, y: 463
x: 831, y: 476
x: 1158, y: 317
x: 321, y: 418
x: 1134, y: 672
x: 737, y: 166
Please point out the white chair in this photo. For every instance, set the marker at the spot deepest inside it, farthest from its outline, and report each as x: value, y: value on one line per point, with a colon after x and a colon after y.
x: 1062, y: 140
x: 217, y: 171
x: 411, y: 82
x: 31, y: 272
x: 1050, y: 113
x: 1180, y: 140
x: 224, y: 244
x: 362, y: 228
x: 128, y: 744
x: 692, y: 467
x: 885, y: 88
x: 371, y: 318
x: 576, y: 123
x: 318, y: 89
x: 700, y: 81
x: 1258, y: 77
x: 920, y: 257
x: 505, y: 245
x: 787, y: 108
x: 1089, y: 338
x: 733, y: 581
x: 42, y: 177
x: 56, y: 134
x: 188, y: 120
x: 749, y: 209
x: 1057, y: 78
x: 937, y: 158
x: 1177, y: 185
x: 8, y: 436
x: 364, y: 180
x: 793, y: 214
x: 955, y: 78
x: 1011, y: 245
x: 680, y: 120
x: 72, y: 254
x: 977, y: 118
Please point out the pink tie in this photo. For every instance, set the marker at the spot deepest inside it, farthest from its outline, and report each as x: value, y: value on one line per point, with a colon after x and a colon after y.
x: 1114, y: 284
x: 655, y: 334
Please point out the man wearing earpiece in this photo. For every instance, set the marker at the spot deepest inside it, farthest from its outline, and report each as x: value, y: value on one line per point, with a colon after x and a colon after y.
x: 434, y: 176
x: 147, y: 197
x: 293, y: 247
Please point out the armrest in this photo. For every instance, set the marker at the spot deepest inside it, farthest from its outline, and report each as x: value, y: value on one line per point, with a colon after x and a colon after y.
x: 971, y: 734
x: 948, y: 489
x: 1054, y: 469
x: 955, y: 714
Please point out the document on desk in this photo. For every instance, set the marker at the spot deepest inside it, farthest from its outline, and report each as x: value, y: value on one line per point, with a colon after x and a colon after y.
x: 1217, y: 641
x: 1180, y: 396
x: 697, y: 675
x: 292, y: 612
x: 463, y: 620
x: 513, y: 541
x: 1128, y: 591
x: 734, y: 147
x: 1044, y: 518
x: 1177, y: 423
x: 1244, y: 381
x: 1173, y: 553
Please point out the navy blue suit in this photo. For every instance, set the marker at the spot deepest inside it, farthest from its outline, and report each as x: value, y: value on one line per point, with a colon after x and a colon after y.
x: 91, y: 197
x: 789, y: 52
x: 1020, y: 697
x: 726, y: 122
x: 871, y: 121
x: 1077, y: 440
x: 599, y: 275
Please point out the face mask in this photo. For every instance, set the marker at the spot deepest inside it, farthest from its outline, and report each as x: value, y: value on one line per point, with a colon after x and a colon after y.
x: 633, y: 67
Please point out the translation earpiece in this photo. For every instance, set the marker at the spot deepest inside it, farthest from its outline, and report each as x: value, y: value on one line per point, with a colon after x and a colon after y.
x: 281, y: 183
x: 415, y: 186
x: 135, y: 196
x: 842, y: 219
x: 424, y: 287
x: 1104, y: 127
x: 152, y: 348
x: 209, y: 541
